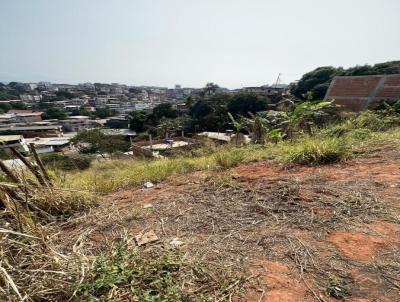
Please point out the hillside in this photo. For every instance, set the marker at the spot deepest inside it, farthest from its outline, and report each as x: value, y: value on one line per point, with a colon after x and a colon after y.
x: 315, y: 218
x: 297, y: 234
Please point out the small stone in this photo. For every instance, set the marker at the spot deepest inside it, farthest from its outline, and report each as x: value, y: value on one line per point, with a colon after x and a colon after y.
x: 176, y: 242
x: 148, y: 185
x: 147, y: 237
x: 147, y: 206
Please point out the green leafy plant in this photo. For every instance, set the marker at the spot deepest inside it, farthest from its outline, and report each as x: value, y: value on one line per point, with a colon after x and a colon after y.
x: 153, y: 275
x: 275, y: 135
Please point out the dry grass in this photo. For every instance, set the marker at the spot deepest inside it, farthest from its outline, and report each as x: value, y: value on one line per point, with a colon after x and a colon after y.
x: 30, y: 267
x: 222, y: 226
x: 158, y: 273
x: 112, y: 175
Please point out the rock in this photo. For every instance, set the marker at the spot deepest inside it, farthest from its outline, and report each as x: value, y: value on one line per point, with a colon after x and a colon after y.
x: 147, y: 237
x: 176, y: 242
x: 147, y: 206
x: 148, y: 185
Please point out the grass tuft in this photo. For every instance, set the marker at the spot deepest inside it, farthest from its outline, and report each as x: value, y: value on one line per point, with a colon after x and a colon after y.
x: 230, y: 158
x: 318, y: 151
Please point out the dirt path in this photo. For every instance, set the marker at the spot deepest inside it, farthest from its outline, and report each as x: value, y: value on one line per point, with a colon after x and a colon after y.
x: 303, y: 233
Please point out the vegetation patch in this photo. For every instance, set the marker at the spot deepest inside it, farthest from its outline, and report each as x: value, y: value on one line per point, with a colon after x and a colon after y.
x: 57, y: 161
x: 154, y: 274
x: 318, y: 151
x: 229, y: 159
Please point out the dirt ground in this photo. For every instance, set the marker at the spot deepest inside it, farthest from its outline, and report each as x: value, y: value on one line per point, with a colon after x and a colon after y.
x: 324, y: 233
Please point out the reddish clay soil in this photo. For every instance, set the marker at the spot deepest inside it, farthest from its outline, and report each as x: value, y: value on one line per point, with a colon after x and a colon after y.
x: 356, y: 246
x: 327, y: 233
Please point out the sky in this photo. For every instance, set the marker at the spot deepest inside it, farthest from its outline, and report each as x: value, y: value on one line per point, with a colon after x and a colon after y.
x: 233, y: 43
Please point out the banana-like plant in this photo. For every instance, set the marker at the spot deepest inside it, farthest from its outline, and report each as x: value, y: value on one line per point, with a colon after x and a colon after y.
x: 307, y: 110
x: 275, y: 135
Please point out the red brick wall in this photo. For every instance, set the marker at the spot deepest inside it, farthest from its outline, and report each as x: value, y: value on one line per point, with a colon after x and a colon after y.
x: 354, y: 86
x: 360, y: 92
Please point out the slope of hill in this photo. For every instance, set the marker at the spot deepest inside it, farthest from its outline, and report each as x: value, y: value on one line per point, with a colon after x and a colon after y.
x: 315, y: 218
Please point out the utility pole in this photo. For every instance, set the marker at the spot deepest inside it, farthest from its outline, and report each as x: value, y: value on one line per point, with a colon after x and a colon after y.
x: 278, y: 80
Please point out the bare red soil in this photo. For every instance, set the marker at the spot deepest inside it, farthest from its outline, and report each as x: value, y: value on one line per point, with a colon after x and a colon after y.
x: 324, y: 233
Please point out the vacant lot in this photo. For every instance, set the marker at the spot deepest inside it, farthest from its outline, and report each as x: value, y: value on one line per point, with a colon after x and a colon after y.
x: 270, y: 232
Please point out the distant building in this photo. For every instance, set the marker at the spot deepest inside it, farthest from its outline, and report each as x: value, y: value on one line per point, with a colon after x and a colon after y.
x: 117, y: 123
x: 50, y: 144
x: 274, y: 93
x: 26, y: 116
x: 356, y: 93
x: 44, y: 85
x: 33, y: 131
x: 76, y: 123
x: 7, y: 118
x: 142, y: 106
x: 16, y: 141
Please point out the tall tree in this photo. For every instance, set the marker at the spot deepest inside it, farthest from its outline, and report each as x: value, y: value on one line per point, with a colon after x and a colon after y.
x: 55, y: 113
x: 246, y: 104
x: 137, y: 120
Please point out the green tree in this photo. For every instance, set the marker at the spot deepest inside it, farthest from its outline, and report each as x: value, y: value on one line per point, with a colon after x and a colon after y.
x: 164, y: 110
x: 94, y: 140
x: 4, y: 107
x: 210, y: 113
x: 103, y: 112
x: 5, y: 96
x: 18, y: 105
x: 55, y: 113
x: 63, y: 94
x: 82, y: 111
x: 320, y: 77
x: 137, y: 120
x: 245, y: 103
x: 210, y: 88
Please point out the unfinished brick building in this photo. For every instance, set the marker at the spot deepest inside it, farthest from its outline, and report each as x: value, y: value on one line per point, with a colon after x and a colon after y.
x: 356, y: 93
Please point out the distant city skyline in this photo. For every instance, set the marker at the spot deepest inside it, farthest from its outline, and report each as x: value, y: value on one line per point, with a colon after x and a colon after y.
x: 162, y: 43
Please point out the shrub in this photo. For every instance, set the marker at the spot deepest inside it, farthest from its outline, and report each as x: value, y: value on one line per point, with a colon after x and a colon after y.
x: 229, y: 159
x: 376, y: 122
x: 318, y: 151
x: 365, y: 121
x: 361, y: 134
x: 57, y: 161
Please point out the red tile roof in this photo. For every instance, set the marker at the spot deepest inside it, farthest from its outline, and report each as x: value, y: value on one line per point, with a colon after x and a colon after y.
x: 25, y: 112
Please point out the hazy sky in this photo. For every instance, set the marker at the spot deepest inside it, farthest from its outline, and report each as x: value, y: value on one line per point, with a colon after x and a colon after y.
x: 233, y: 43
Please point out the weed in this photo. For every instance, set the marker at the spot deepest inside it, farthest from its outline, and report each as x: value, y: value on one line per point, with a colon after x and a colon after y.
x: 229, y: 159
x: 225, y: 179
x: 318, y: 151
x: 326, y: 146
x: 56, y: 161
x: 157, y: 274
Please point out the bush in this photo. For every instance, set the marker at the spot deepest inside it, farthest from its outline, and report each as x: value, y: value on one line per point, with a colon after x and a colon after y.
x: 229, y: 159
x: 57, y: 161
x: 375, y: 121
x: 316, y: 151
x: 366, y: 121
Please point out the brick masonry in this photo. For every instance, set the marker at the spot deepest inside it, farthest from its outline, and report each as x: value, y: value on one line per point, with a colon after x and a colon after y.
x: 356, y: 93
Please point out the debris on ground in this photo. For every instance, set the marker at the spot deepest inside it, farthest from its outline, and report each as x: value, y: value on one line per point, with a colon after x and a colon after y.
x: 176, y: 242
x: 148, y: 185
x: 146, y: 237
